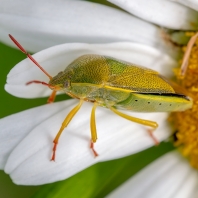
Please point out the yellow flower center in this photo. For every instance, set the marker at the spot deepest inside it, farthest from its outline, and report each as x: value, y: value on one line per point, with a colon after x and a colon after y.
x: 186, y: 123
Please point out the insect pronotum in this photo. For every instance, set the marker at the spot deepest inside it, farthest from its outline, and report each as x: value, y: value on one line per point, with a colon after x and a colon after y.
x: 114, y: 84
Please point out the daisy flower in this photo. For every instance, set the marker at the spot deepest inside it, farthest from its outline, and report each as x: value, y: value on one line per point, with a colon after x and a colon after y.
x: 102, y: 30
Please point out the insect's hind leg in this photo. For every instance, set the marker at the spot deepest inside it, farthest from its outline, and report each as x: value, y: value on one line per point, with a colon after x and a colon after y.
x: 150, y: 132
x: 93, y: 129
x: 64, y: 124
x: 152, y: 124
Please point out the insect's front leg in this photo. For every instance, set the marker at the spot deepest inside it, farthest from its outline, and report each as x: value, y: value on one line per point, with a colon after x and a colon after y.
x: 52, y: 97
x: 67, y: 120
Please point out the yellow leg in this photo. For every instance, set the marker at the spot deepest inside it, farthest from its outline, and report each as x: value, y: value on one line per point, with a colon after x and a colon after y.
x: 64, y: 124
x: 133, y: 119
x: 184, y: 65
x: 140, y: 121
x: 93, y: 129
x: 93, y: 123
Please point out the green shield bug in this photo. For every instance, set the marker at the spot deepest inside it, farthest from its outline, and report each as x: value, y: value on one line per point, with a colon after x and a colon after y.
x: 114, y: 84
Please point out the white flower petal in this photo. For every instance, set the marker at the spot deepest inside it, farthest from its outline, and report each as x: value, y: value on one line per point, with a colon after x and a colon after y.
x: 46, y: 23
x: 15, y: 127
x: 168, y: 177
x: 29, y: 163
x: 57, y: 58
x: 164, y: 13
x: 190, y: 3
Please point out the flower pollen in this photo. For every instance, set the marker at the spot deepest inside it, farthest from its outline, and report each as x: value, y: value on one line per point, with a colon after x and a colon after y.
x: 186, y: 122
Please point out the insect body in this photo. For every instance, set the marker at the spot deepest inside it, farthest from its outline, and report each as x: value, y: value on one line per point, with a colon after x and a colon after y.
x: 118, y: 84
x: 113, y: 84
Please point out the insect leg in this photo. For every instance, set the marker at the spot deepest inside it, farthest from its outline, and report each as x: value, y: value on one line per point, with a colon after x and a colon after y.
x: 133, y: 119
x: 93, y: 129
x: 64, y: 124
x: 150, y: 132
x: 152, y: 124
x: 52, y: 97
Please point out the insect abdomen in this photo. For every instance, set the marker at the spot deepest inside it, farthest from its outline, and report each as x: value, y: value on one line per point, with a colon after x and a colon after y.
x: 155, y: 103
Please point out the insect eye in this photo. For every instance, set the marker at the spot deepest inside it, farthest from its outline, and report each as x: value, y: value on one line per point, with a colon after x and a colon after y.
x: 67, y: 84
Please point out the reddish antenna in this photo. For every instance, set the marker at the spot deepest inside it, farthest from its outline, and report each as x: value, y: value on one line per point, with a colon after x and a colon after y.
x: 184, y: 65
x: 28, y: 55
x: 40, y: 82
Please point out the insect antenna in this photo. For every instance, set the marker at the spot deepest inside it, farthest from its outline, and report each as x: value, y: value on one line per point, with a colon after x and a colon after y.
x: 40, y: 82
x: 28, y: 55
x: 184, y: 65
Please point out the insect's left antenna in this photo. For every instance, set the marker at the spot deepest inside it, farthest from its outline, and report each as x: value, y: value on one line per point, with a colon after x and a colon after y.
x: 184, y: 65
x: 28, y: 55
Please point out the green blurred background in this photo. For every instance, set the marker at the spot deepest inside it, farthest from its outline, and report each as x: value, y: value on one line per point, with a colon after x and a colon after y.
x: 96, y: 181
x: 9, y: 105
